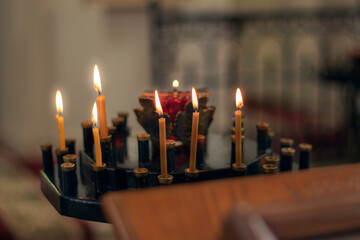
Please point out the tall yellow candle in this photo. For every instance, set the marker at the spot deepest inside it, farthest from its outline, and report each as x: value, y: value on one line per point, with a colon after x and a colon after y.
x: 96, y: 136
x: 194, y: 132
x: 239, y: 105
x: 100, y: 100
x: 162, y: 136
x: 60, y: 119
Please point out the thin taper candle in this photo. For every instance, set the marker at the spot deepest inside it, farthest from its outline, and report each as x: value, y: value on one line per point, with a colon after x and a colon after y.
x: 60, y: 119
x: 95, y: 130
x: 194, y: 132
x: 238, y: 148
x: 100, y: 101
x: 162, y: 137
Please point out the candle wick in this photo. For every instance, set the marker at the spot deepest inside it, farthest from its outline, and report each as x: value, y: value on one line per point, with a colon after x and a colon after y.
x: 99, y: 93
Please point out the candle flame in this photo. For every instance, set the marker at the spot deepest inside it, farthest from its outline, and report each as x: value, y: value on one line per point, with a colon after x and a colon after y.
x: 175, y: 84
x: 97, y: 82
x: 239, y: 100
x: 194, y: 99
x: 94, y: 116
x: 59, y: 102
x: 157, y: 104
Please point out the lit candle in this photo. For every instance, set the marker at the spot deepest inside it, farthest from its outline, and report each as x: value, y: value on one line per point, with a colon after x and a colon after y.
x: 100, y: 100
x: 60, y: 119
x: 94, y: 118
x: 194, y: 132
x: 175, y: 87
x: 162, y: 136
x: 239, y: 105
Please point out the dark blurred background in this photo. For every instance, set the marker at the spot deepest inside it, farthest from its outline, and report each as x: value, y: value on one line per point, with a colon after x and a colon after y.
x: 297, y: 63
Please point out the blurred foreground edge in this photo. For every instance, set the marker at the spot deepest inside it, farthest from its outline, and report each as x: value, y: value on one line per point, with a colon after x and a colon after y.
x: 322, y: 202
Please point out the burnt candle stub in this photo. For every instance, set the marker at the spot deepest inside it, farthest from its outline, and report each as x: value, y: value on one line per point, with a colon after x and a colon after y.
x: 286, y: 159
x: 70, y: 144
x: 69, y: 184
x: 143, y: 149
x: 47, y: 157
x: 304, y: 155
x: 88, y: 138
x: 262, y: 130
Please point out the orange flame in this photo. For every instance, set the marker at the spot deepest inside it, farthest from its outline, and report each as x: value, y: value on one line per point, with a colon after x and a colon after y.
x: 239, y: 100
x: 94, y: 116
x: 97, y: 82
x: 59, y: 102
x: 157, y: 104
x: 175, y: 84
x: 194, y: 99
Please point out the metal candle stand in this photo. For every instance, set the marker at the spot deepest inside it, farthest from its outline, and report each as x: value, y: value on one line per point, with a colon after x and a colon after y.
x: 75, y: 184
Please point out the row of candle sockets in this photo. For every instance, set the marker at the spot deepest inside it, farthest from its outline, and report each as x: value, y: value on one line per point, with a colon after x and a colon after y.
x: 114, y: 148
x: 273, y: 164
x: 67, y: 169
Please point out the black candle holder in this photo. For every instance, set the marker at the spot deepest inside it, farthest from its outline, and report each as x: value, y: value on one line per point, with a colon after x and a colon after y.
x: 99, y: 178
x: 106, y: 151
x: 88, y: 138
x: 70, y: 144
x: 170, y: 155
x: 262, y: 135
x: 304, y: 155
x: 143, y: 149
x: 141, y: 177
x: 286, y: 159
x: 69, y: 183
x: 75, y: 185
x: 48, y: 161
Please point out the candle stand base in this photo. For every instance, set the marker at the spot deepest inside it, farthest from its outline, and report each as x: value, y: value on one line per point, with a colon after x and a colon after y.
x: 86, y: 204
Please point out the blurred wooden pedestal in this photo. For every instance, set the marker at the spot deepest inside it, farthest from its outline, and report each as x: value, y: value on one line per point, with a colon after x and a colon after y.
x: 296, y: 204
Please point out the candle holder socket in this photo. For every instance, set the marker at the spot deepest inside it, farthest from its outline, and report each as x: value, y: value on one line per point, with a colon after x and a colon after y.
x: 191, y: 174
x: 165, y: 180
x: 240, y: 168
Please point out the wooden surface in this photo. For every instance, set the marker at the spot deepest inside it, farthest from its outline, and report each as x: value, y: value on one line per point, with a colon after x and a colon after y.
x: 199, y: 210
